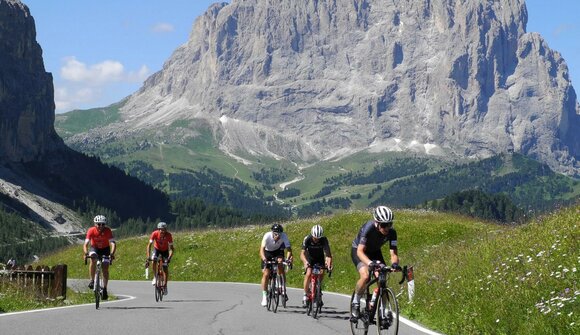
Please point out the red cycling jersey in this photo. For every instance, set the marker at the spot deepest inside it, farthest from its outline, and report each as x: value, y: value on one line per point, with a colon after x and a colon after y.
x: 161, y: 243
x: 100, y: 240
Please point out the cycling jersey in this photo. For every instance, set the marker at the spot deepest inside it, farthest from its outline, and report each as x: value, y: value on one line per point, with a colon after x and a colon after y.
x: 315, y: 250
x: 371, y: 237
x: 269, y: 244
x: 162, y: 243
x: 100, y: 240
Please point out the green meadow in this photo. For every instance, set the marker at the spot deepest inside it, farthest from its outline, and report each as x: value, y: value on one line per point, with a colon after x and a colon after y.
x: 471, y: 277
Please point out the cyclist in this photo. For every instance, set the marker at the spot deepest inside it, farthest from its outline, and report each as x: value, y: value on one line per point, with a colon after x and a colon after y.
x: 102, y: 244
x: 163, y: 247
x: 273, y: 244
x: 366, y: 250
x: 315, y: 247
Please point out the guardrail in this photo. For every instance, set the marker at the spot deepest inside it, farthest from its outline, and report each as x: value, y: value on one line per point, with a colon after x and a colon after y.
x: 43, y: 280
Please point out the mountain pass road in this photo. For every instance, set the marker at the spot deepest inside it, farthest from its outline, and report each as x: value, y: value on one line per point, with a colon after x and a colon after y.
x: 189, y: 308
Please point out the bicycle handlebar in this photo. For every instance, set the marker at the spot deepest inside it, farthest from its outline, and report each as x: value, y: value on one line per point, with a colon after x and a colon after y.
x: 284, y: 262
x: 320, y: 267
x: 385, y: 268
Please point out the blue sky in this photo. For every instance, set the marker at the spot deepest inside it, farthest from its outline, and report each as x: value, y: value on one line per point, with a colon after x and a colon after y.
x: 101, y: 51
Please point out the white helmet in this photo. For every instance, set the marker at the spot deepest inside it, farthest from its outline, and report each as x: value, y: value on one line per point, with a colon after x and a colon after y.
x: 100, y: 219
x: 317, y: 231
x: 162, y: 225
x: 383, y: 214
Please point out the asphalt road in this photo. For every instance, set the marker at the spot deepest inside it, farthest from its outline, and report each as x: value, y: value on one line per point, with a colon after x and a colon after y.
x: 189, y: 308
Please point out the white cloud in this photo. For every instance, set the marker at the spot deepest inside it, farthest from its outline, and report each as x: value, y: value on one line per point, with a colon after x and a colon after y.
x: 163, y: 28
x: 106, y: 71
x: 83, y: 85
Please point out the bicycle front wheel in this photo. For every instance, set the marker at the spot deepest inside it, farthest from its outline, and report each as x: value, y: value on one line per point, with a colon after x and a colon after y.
x: 158, y: 293
x: 317, y: 301
x: 270, y: 293
x: 97, y: 289
x: 276, y: 296
x: 388, y: 313
x: 360, y: 325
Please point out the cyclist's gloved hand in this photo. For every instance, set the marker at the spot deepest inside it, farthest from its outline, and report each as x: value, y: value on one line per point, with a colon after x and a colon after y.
x: 395, y: 266
x: 371, y: 264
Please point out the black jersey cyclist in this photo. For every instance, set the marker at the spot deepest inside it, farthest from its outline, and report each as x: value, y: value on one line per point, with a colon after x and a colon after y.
x: 315, y: 251
x: 366, y: 249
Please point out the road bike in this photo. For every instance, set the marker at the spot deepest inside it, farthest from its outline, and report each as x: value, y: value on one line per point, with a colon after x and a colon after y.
x: 98, y: 279
x: 382, y: 303
x: 276, y: 285
x: 160, y: 277
x: 314, y: 296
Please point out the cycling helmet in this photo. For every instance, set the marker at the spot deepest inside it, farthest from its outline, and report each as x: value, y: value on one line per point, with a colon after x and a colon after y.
x: 383, y: 214
x: 277, y: 228
x: 100, y: 219
x: 317, y: 231
x: 162, y: 225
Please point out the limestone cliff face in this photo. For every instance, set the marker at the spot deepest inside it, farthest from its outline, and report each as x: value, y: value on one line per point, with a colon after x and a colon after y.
x: 26, y: 90
x: 313, y: 79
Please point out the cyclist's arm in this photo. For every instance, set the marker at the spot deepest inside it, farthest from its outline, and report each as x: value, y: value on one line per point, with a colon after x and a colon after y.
x: 303, y: 257
x: 262, y: 253
x: 289, y: 254
x: 149, y: 248
x: 113, y: 247
x: 394, y: 256
x: 360, y: 252
x: 86, y: 246
x: 171, y: 250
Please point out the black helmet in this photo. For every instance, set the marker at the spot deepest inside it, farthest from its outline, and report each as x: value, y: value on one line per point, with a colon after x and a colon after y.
x: 277, y: 228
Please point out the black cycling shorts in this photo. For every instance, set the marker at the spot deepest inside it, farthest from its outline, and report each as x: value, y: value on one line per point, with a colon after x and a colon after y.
x: 272, y: 255
x: 374, y: 256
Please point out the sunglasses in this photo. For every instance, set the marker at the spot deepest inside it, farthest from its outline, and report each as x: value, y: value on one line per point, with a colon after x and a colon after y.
x: 100, y: 224
x: 385, y: 224
x: 276, y: 234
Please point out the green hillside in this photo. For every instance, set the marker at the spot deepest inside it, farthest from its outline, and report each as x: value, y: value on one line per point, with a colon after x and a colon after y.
x: 472, y: 277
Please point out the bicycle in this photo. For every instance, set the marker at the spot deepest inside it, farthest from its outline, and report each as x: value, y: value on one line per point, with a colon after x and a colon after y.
x: 383, y: 302
x: 276, y: 286
x: 98, y: 279
x: 314, y: 296
x: 160, y: 278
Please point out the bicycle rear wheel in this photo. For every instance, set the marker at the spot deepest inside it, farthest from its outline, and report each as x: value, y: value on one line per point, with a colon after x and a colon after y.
x: 388, y: 313
x: 361, y: 325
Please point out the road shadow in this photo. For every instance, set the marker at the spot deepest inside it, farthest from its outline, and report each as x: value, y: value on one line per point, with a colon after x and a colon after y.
x: 325, y: 313
x: 138, y: 307
x: 190, y: 300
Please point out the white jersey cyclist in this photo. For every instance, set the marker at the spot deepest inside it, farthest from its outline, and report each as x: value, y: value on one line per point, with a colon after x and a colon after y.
x: 271, y: 245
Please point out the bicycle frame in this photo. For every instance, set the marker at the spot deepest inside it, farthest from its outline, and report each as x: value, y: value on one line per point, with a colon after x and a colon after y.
x: 276, y: 286
x: 314, y: 302
x: 386, y: 307
x: 98, y: 279
x: 160, y: 278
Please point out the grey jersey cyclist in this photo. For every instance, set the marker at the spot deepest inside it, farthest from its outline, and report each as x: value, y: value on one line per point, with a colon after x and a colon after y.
x: 366, y: 249
x: 272, y: 248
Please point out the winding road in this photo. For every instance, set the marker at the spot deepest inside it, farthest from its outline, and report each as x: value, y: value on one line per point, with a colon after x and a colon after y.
x: 189, y: 308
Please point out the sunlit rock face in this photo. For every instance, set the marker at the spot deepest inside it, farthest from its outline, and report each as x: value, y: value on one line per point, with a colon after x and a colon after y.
x: 315, y: 79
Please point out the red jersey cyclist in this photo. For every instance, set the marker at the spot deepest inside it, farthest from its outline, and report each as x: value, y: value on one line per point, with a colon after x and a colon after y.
x: 102, y: 244
x: 163, y: 246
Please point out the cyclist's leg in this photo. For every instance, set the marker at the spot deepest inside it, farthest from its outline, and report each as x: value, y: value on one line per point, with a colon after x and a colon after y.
x: 105, y: 264
x: 154, y: 259
x: 92, y: 264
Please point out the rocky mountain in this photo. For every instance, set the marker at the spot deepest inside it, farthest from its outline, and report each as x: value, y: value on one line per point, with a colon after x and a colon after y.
x: 26, y: 91
x: 40, y: 177
x: 315, y: 79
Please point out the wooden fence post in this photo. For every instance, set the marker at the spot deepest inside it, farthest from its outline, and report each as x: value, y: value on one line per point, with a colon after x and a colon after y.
x: 59, y: 283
